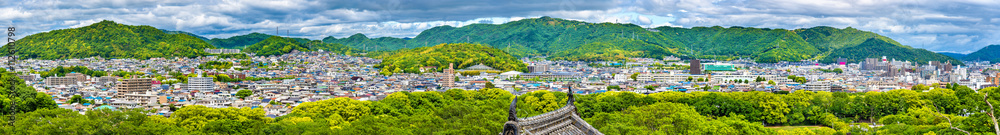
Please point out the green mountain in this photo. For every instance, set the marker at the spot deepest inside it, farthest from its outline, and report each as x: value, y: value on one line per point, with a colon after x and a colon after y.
x: 574, y: 40
x: 362, y: 42
x: 461, y: 54
x: 276, y: 45
x: 763, y: 45
x: 828, y: 39
x: 238, y: 41
x: 183, y: 32
x: 990, y: 53
x: 877, y: 47
x: 109, y: 40
x: 331, y: 47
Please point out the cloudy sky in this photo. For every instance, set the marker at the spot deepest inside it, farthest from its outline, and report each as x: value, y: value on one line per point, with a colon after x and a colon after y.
x: 937, y: 25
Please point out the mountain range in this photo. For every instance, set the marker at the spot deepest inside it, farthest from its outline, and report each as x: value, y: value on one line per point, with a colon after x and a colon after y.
x: 989, y: 53
x: 562, y: 39
x: 559, y: 39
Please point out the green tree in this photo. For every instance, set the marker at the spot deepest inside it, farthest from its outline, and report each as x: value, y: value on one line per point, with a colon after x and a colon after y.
x: 613, y: 87
x: 244, y: 93
x: 650, y: 87
x: 489, y: 85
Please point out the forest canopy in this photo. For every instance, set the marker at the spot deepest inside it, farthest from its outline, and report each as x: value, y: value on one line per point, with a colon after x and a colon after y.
x: 108, y: 39
x: 461, y: 54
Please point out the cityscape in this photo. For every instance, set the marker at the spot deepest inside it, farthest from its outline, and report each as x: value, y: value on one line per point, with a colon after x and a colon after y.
x: 544, y: 73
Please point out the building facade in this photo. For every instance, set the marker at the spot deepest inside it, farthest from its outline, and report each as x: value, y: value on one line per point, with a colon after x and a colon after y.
x: 135, y: 86
x: 200, y: 84
x: 695, y: 67
x: 448, y: 77
x: 52, y: 81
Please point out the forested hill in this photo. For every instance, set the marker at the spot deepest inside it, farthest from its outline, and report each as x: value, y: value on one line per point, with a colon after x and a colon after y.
x: 275, y: 45
x: 109, y: 40
x: 576, y: 40
x: 461, y: 54
x: 184, y: 32
x: 241, y: 41
x: 877, y: 47
x: 990, y: 53
x: 362, y: 42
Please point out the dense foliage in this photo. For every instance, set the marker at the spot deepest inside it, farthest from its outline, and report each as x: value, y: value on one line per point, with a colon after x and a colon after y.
x: 484, y: 111
x: 280, y: 45
x: 362, y: 42
x: 62, y: 71
x: 186, y: 33
x: 317, y: 45
x: 275, y: 45
x: 238, y: 41
x: 217, y: 65
x: 27, y: 98
x: 575, y: 40
x: 461, y: 54
x: 877, y: 47
x: 109, y: 40
x: 989, y: 53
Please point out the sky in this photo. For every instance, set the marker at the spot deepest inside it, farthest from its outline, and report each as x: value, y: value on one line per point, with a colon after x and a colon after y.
x: 960, y: 26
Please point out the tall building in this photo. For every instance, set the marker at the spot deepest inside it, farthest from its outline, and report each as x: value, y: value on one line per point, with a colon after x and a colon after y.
x: 537, y: 68
x: 448, y: 77
x: 695, y: 67
x: 875, y: 64
x: 135, y: 86
x: 79, y: 77
x: 945, y: 67
x: 52, y: 81
x: 200, y: 84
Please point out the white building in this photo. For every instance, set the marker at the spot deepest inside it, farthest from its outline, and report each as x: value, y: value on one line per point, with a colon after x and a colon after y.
x: 200, y: 84
x: 818, y: 86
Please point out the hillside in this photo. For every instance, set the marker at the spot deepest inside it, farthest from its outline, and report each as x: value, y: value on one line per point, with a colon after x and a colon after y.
x: 574, y: 40
x: 331, y: 47
x: 238, y: 41
x: 362, y: 42
x: 183, y: 32
x: 275, y: 45
x: 876, y: 48
x: 990, y: 53
x: 109, y: 40
x: 461, y: 54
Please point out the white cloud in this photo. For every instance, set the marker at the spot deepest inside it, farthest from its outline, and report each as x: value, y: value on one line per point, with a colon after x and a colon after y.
x: 12, y: 13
